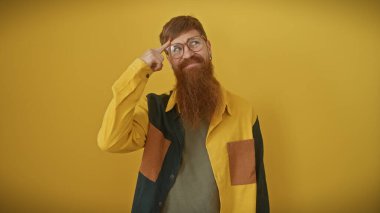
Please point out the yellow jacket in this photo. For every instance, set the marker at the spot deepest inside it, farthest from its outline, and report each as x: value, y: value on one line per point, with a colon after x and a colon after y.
x: 234, y: 144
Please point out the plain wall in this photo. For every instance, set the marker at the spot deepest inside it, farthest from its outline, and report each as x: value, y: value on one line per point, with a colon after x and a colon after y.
x: 312, y: 71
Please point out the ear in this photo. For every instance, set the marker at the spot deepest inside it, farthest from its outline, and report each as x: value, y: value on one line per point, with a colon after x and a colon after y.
x: 208, y: 45
x: 209, y: 48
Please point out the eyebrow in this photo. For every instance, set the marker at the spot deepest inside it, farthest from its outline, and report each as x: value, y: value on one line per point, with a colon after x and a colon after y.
x: 187, y: 40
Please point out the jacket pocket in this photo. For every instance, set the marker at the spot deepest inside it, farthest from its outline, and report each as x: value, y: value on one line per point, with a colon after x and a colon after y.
x: 156, y: 147
x: 242, y: 163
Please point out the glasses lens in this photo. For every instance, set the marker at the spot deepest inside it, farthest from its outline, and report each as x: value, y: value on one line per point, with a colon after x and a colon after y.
x: 176, y: 50
x: 195, y: 44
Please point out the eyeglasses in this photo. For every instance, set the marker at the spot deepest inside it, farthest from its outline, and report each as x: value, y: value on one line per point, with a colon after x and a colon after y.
x: 195, y: 44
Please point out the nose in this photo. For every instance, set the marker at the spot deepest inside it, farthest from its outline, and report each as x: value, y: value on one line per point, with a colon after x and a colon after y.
x: 187, y: 53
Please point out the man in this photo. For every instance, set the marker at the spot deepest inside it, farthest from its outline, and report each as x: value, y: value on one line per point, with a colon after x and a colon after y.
x: 203, y: 150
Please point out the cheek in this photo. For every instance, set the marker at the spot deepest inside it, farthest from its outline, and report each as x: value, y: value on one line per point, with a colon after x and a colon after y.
x: 174, y: 63
x: 206, y: 54
x: 206, y: 57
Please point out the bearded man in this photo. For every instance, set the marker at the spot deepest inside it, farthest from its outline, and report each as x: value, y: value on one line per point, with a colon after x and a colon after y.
x: 203, y: 149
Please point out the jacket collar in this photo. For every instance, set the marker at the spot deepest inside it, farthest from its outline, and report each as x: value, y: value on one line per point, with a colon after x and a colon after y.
x: 224, y: 107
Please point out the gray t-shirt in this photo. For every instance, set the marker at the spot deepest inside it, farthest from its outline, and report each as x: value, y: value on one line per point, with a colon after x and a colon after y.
x: 195, y: 188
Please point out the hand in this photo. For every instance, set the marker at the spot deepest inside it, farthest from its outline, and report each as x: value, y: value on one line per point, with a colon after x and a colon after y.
x: 154, y: 58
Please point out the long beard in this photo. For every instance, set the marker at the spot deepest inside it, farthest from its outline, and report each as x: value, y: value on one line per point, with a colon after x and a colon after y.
x: 198, y: 91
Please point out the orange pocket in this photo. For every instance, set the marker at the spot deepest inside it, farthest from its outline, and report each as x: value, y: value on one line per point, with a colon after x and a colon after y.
x: 156, y: 147
x: 242, y: 162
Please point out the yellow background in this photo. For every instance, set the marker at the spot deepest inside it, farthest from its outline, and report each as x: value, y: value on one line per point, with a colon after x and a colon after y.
x: 311, y: 69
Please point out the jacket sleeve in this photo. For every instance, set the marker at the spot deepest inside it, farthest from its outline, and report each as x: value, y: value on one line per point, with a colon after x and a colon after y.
x: 125, y: 123
x: 262, y: 199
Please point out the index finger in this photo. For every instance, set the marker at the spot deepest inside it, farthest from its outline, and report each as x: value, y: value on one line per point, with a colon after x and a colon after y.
x: 164, y: 46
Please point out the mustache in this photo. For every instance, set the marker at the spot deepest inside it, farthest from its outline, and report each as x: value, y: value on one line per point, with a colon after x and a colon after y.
x: 192, y: 59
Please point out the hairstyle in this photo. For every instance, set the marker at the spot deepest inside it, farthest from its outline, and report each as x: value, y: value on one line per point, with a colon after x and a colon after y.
x: 178, y: 25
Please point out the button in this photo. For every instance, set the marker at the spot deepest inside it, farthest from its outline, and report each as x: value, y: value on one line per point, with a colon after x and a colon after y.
x: 171, y: 177
x: 147, y: 75
x: 160, y: 204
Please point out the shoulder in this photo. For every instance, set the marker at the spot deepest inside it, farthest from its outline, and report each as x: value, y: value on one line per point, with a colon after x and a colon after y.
x: 240, y: 106
x: 235, y: 99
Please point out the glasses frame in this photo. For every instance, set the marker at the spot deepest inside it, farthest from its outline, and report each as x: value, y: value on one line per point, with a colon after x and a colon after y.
x: 168, y: 52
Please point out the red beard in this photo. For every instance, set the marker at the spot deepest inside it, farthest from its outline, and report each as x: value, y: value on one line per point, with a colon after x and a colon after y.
x: 198, y: 91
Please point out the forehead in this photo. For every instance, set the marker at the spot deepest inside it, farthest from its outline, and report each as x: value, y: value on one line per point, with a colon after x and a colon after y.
x: 185, y: 36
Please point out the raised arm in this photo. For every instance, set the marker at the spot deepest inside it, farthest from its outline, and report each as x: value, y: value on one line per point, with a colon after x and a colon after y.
x: 125, y: 123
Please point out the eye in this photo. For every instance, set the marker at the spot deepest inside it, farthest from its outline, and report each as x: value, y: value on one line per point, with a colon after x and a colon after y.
x: 176, y: 49
x: 194, y: 43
